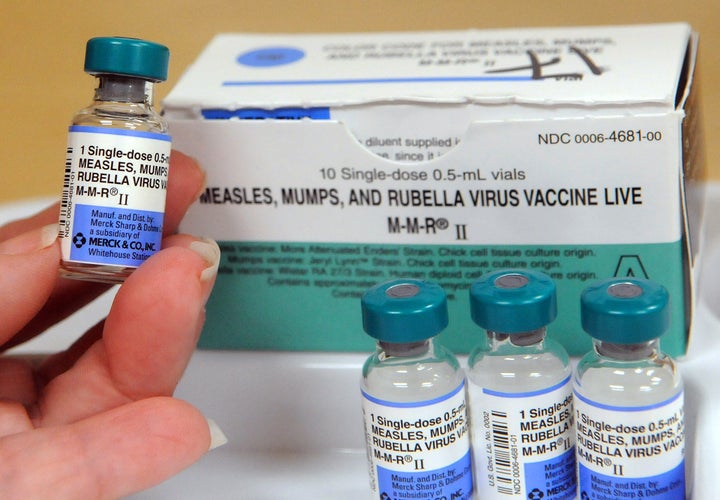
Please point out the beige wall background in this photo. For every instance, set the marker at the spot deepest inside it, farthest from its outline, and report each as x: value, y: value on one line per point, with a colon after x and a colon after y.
x: 42, y: 46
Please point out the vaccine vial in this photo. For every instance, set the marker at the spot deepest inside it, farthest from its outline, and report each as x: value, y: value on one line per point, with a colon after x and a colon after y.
x: 413, y: 396
x: 116, y: 168
x: 520, y: 391
x: 629, y: 396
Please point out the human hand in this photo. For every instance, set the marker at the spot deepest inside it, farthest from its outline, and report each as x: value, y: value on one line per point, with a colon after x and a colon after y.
x: 99, y: 420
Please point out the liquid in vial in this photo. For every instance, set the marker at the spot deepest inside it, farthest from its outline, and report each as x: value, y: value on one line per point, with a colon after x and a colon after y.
x: 520, y: 392
x: 629, y: 395
x: 413, y: 396
x: 116, y: 170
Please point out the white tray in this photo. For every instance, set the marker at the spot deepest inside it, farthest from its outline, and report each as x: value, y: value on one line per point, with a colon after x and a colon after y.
x: 293, y: 419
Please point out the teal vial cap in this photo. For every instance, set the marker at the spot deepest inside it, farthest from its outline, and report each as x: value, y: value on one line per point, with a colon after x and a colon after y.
x: 625, y: 310
x: 404, y: 311
x: 513, y: 301
x: 127, y: 56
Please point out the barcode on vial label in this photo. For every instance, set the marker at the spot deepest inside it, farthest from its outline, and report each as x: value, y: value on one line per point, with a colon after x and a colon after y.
x: 501, y: 445
x: 65, y: 199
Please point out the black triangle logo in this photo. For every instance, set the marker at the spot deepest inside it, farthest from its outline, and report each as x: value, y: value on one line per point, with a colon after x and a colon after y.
x: 630, y: 266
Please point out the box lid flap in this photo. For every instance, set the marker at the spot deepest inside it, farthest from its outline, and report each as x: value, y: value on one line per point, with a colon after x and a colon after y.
x: 581, y: 66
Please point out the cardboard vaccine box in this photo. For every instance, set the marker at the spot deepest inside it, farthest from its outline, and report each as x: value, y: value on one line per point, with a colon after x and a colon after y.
x: 337, y: 161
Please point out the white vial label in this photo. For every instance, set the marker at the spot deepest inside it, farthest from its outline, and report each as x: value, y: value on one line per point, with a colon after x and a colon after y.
x: 523, y: 443
x: 419, y: 450
x: 631, y: 452
x: 113, y: 201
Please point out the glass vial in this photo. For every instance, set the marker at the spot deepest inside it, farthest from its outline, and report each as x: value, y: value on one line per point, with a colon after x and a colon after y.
x: 520, y: 391
x: 413, y: 396
x: 116, y: 168
x: 629, y: 396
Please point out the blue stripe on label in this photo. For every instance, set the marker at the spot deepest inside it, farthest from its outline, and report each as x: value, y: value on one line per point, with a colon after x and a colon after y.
x: 115, y: 131
x: 115, y: 236
x: 364, y: 81
x: 295, y: 113
x: 414, y: 404
x: 529, y: 393
x: 667, y: 486
x: 553, y: 478
x: 627, y: 408
x: 453, y: 480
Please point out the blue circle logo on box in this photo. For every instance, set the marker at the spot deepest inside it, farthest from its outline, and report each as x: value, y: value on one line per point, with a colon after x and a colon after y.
x: 270, y: 56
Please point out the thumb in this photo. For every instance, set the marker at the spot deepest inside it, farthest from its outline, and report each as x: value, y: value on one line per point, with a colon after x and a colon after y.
x: 109, y: 455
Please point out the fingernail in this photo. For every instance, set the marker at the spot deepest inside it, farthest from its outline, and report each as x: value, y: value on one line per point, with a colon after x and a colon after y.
x: 35, y: 239
x: 210, y: 251
x: 217, y: 436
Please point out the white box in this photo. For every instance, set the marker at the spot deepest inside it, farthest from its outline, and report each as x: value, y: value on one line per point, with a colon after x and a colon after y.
x: 335, y: 161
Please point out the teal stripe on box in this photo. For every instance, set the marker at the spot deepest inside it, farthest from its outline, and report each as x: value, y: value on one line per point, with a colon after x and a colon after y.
x: 306, y: 297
